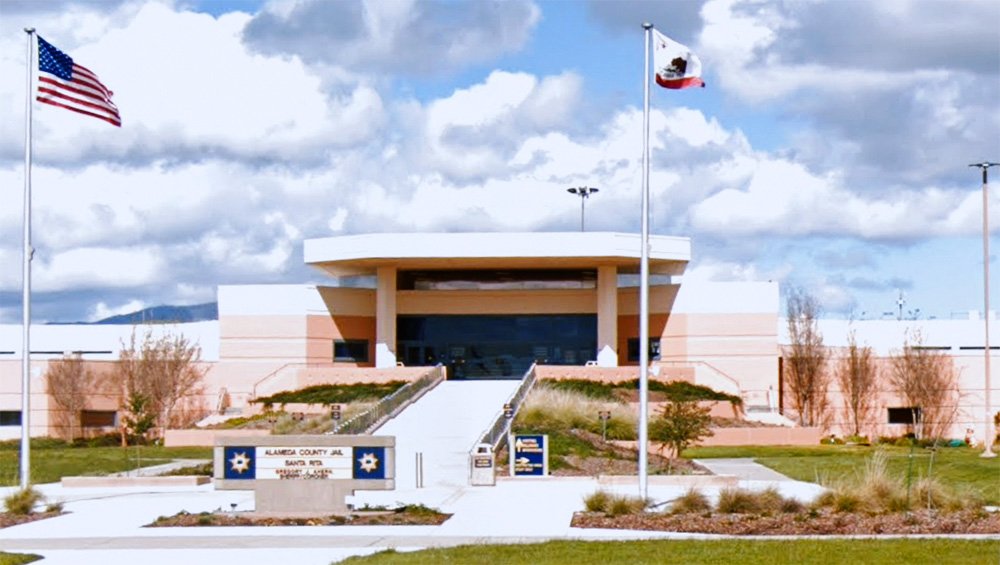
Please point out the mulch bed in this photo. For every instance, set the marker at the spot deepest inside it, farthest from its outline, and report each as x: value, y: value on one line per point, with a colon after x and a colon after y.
x: 388, y: 518
x: 7, y: 519
x: 823, y: 522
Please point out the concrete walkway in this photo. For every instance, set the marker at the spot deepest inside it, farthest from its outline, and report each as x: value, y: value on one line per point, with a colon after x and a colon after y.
x: 744, y: 468
x: 105, y: 525
x: 443, y: 425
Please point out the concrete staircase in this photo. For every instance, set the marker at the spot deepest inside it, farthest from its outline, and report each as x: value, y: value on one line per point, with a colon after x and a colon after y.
x: 443, y: 425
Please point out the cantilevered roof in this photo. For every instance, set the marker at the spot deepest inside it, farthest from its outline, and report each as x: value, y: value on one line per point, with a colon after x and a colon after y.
x: 363, y: 254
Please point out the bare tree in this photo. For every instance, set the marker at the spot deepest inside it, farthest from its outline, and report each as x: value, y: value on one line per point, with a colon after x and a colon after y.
x: 153, y: 377
x: 926, y: 379
x: 805, y: 373
x: 69, y: 381
x: 176, y: 374
x: 857, y: 375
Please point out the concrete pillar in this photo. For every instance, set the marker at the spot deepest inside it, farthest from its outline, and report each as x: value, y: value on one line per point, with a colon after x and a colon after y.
x: 385, y: 317
x: 607, y: 316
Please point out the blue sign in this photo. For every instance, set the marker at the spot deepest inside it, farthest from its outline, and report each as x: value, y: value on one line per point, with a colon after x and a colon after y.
x: 530, y: 456
x: 369, y: 462
x: 239, y: 463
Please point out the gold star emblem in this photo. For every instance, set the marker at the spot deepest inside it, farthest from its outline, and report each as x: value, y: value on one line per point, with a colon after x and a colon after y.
x: 240, y: 463
x: 368, y: 462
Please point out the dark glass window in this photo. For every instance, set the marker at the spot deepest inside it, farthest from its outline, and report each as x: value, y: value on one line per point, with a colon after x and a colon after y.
x: 351, y: 350
x: 904, y: 415
x: 10, y: 417
x: 633, y: 349
x: 513, y: 279
x: 496, y: 345
x: 98, y: 419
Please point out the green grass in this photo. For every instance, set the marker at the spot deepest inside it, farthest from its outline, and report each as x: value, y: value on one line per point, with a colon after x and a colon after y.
x: 51, y: 461
x: 17, y: 558
x: 333, y: 394
x: 694, y: 552
x: 673, y: 390
x: 957, y: 467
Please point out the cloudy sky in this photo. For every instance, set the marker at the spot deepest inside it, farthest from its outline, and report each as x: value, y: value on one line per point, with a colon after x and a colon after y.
x: 829, y: 150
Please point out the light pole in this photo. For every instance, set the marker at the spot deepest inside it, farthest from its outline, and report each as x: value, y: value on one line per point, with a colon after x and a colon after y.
x: 584, y: 193
x: 990, y: 434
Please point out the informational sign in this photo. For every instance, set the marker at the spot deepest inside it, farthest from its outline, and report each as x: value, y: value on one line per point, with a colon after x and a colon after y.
x: 304, y: 463
x: 530, y: 457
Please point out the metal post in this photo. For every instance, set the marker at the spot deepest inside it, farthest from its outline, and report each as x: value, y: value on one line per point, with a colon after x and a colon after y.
x: 419, y: 462
x: 644, y: 280
x: 26, y: 279
x: 584, y: 193
x: 987, y: 390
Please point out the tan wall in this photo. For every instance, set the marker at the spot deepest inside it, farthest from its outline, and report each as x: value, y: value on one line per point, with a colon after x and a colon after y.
x: 199, y: 438
x: 745, y: 436
x: 582, y: 301
x: 323, y: 330
x: 275, y: 338
x: 969, y: 401
x: 348, y: 301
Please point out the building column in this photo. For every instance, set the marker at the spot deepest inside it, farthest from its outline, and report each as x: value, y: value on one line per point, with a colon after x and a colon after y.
x: 385, y: 317
x: 607, y: 316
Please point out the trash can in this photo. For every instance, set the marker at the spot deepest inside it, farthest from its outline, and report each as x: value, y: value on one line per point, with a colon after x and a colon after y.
x: 481, y: 465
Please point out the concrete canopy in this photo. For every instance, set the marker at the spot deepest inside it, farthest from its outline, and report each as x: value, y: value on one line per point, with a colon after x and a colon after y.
x: 364, y: 254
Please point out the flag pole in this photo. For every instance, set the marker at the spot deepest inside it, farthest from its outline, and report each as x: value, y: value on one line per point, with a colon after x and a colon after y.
x: 26, y: 279
x: 644, y: 281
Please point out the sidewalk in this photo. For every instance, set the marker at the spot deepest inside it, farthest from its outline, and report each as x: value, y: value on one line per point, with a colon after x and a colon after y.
x: 105, y: 525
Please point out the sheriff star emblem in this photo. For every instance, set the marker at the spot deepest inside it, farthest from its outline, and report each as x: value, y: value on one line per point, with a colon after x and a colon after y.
x: 369, y: 463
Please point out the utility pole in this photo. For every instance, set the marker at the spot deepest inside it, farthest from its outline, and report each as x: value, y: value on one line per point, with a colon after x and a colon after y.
x: 584, y: 193
x: 990, y: 433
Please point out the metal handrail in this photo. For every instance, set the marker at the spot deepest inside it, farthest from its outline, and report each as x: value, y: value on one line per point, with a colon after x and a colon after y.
x: 367, y: 421
x: 496, y: 434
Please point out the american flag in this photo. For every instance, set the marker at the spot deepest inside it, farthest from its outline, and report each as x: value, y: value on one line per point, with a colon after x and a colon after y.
x: 63, y: 83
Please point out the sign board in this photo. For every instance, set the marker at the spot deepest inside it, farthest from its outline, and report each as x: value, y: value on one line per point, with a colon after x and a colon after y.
x: 304, y: 473
x: 530, y: 456
x: 303, y: 462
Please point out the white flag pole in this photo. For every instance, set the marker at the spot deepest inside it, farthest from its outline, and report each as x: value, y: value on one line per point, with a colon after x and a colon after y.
x: 644, y: 281
x: 26, y: 278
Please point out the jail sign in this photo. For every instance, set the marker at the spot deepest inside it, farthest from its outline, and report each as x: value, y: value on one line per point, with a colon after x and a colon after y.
x: 244, y: 462
x: 304, y: 473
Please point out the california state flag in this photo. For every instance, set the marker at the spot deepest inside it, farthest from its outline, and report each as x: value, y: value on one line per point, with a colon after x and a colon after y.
x: 676, y: 66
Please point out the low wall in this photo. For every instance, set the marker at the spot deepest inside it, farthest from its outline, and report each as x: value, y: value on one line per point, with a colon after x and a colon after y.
x: 744, y: 436
x: 613, y: 375
x: 716, y: 408
x: 763, y: 436
x: 205, y: 438
x: 104, y: 482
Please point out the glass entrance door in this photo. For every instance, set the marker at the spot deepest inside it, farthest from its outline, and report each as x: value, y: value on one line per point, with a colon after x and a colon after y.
x: 496, y: 346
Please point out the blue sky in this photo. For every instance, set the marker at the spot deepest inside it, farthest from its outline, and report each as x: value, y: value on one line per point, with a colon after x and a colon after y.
x: 829, y: 150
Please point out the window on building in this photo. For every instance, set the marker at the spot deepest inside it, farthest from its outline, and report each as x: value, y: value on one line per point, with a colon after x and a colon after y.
x: 355, y: 350
x: 10, y: 417
x: 633, y: 349
x: 904, y: 415
x: 98, y: 419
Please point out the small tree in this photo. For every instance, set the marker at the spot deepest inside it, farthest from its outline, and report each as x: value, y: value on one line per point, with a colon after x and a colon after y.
x: 805, y: 373
x: 857, y: 375
x: 680, y: 424
x: 68, y: 381
x: 926, y: 379
x: 152, y: 377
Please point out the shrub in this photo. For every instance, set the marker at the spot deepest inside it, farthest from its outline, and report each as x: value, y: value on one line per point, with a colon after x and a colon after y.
x: 23, y: 502
x: 737, y: 501
x: 680, y: 424
x: 691, y: 502
x: 847, y: 502
x: 597, y: 501
x: 622, y: 505
x: 614, y: 504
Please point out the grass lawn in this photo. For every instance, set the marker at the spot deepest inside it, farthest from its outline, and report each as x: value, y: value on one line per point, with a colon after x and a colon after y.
x: 744, y: 552
x: 51, y: 462
x: 17, y: 558
x: 958, y: 467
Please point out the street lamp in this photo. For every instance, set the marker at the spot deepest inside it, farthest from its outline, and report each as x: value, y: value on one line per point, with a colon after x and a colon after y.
x: 990, y: 433
x: 584, y: 193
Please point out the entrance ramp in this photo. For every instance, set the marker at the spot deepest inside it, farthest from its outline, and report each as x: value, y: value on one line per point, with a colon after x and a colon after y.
x: 443, y: 425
